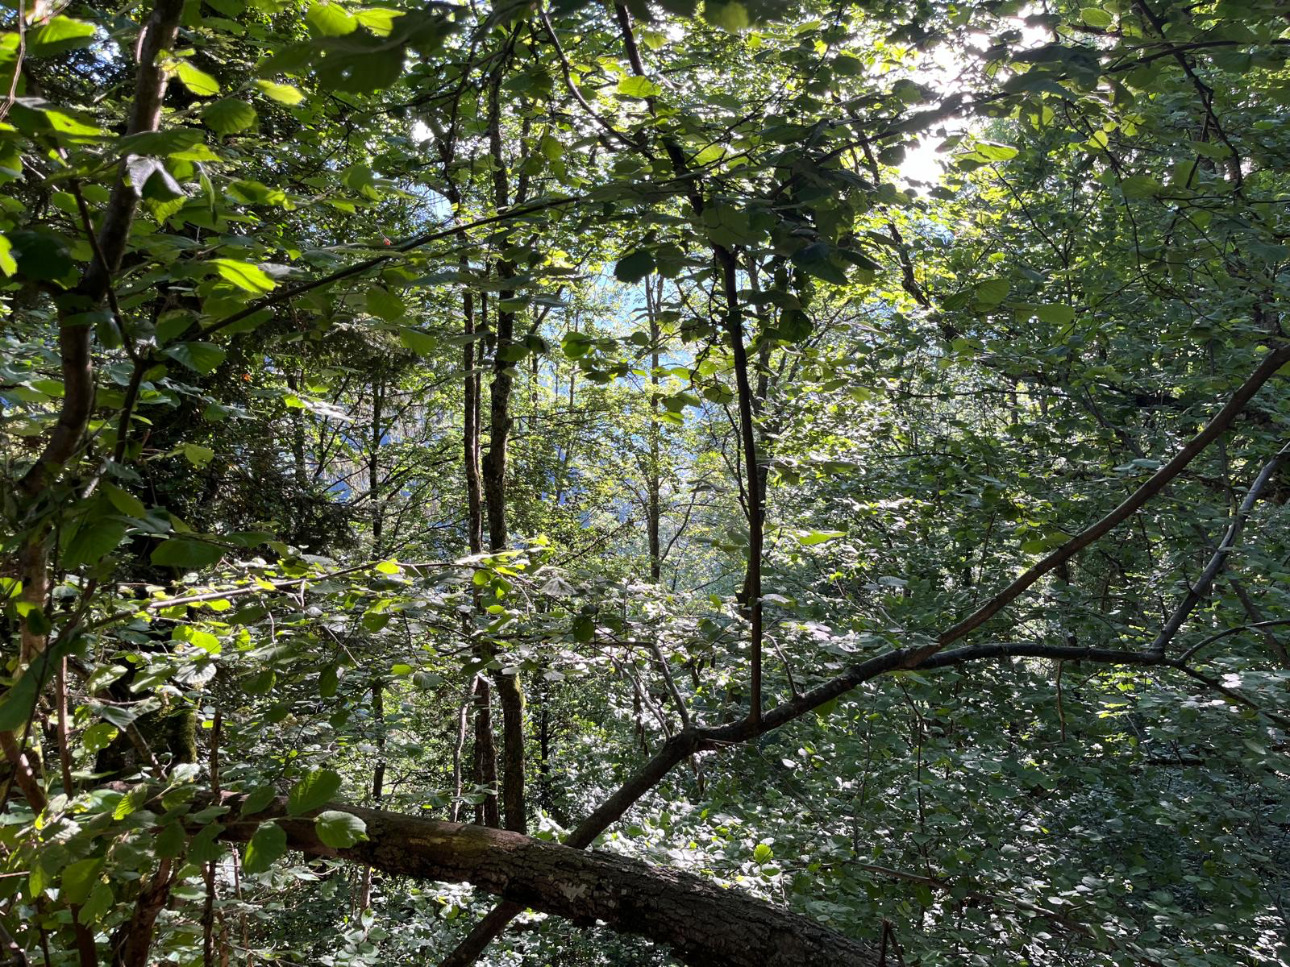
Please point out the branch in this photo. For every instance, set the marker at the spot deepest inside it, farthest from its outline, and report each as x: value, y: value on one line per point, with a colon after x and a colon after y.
x: 1133, y: 503
x: 1202, y: 585
x: 157, y: 34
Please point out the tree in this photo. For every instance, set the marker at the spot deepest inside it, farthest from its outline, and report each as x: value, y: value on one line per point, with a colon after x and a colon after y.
x: 581, y: 419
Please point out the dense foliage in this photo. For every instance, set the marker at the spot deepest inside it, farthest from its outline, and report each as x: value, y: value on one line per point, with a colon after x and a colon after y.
x: 832, y: 449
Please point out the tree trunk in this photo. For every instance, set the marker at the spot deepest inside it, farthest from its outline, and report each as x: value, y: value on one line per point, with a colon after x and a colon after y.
x: 703, y: 924
x: 509, y: 695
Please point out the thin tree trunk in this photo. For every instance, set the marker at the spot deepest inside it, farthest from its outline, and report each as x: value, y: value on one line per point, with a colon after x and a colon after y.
x: 486, y: 813
x: 509, y: 695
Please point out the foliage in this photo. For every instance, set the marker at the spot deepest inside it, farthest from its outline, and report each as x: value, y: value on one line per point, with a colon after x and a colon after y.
x: 381, y: 381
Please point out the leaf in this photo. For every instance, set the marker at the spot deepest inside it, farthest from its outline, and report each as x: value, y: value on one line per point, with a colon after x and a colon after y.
x: 584, y: 627
x: 244, y: 275
x: 79, y: 879
x: 340, y: 830
x: 639, y: 87
x: 261, y: 683
x: 130, y: 803
x: 314, y: 790
x: 98, y: 737
x: 17, y: 703
x: 763, y: 853
x: 203, y: 847
x: 1055, y: 313
x: 95, y: 538
x: 811, y: 538
x: 1096, y: 17
x: 361, y: 73
x: 576, y: 344
x: 1140, y: 186
x: 421, y: 343
x: 992, y: 291
x: 127, y: 503
x: 992, y: 151
x: 171, y: 841
x: 330, y: 20
x: 186, y: 553
x: 101, y: 900
x: 257, y: 799
x: 7, y: 263
x: 198, y: 456
x: 228, y: 116
x: 634, y: 267
x: 268, y: 843
x: 203, y: 357
x: 282, y: 93
x: 816, y: 260
x: 384, y: 304
x: 58, y: 36
x: 197, y: 80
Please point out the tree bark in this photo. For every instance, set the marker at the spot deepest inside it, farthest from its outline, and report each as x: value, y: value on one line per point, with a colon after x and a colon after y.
x: 509, y: 695
x: 157, y: 34
x: 703, y: 923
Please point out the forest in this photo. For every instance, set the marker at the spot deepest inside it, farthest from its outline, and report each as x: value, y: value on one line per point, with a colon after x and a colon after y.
x: 629, y: 483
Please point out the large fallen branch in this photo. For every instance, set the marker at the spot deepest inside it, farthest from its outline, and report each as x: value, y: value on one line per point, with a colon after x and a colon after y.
x: 702, y: 923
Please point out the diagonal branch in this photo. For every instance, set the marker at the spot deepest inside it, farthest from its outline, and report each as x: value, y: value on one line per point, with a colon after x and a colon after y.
x: 1198, y: 590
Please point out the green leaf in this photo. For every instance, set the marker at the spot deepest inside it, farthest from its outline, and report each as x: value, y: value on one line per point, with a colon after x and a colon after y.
x: 1096, y: 17
x: 268, y: 843
x: 1140, y: 186
x: 282, y: 93
x: 244, y: 275
x: 197, y: 455
x: 95, y: 538
x: 992, y: 291
x: 763, y: 853
x: 340, y: 830
x: 171, y: 841
x: 330, y: 20
x: 197, y: 80
x: 421, y: 343
x: 261, y: 683
x: 7, y: 263
x: 200, y: 356
x: 576, y: 344
x: 101, y: 900
x: 361, y: 73
x: 126, y: 503
x: 584, y: 627
x: 1055, y: 313
x: 18, y: 702
x: 228, y: 116
x: 186, y: 553
x: 314, y: 790
x: 257, y: 799
x: 130, y: 803
x: 816, y: 260
x: 639, y: 87
x: 98, y: 737
x: 79, y: 879
x: 634, y: 267
x: 996, y: 152
x: 384, y: 304
x: 203, y: 848
x: 58, y: 36
x: 811, y: 538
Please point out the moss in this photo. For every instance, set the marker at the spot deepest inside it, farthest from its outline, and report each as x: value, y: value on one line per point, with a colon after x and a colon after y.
x: 171, y: 734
